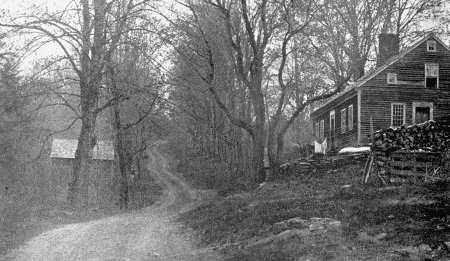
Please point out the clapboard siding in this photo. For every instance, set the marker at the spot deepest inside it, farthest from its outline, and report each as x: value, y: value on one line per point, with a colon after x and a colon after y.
x: 377, y: 95
x: 349, y: 138
x: 376, y: 102
x: 410, y: 68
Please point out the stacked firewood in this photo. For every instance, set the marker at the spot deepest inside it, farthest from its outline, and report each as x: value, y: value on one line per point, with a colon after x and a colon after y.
x: 428, y: 136
x: 424, y: 138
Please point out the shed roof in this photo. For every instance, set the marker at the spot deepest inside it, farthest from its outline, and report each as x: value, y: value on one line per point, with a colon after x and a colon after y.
x: 66, y: 148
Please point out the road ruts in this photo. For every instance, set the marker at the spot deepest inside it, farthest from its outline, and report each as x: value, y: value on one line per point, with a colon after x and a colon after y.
x: 150, y: 234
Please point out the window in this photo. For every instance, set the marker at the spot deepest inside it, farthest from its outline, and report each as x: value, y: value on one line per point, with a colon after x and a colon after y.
x: 317, y: 130
x: 350, y: 117
x: 422, y: 112
x: 322, y: 123
x: 343, y: 120
x: 397, y: 114
x: 391, y: 78
x: 431, y: 46
x: 431, y: 75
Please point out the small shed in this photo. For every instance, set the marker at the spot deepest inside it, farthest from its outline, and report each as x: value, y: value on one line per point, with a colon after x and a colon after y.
x: 63, y: 154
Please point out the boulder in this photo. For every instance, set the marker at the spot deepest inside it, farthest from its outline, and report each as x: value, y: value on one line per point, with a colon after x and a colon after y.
x: 318, y: 224
x: 281, y: 237
x: 292, y: 223
x: 298, y: 227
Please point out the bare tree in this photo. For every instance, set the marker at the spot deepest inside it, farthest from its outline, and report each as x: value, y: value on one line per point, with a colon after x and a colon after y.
x: 247, y: 31
x: 87, y: 34
x: 403, y: 17
x: 132, y: 82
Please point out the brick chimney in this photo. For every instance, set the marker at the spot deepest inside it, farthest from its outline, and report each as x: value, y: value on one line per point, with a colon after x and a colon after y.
x: 389, y: 46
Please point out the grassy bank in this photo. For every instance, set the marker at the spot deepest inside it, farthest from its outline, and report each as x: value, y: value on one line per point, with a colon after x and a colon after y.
x: 402, y: 222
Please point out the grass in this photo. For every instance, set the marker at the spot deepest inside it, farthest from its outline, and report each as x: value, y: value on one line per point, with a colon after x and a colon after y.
x: 409, y: 215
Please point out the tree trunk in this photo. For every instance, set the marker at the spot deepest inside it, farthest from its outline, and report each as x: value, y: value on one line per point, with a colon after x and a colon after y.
x: 82, y: 162
x: 258, y: 175
x: 280, y: 147
x: 91, y: 75
x: 259, y: 136
x: 272, y: 147
x: 122, y: 159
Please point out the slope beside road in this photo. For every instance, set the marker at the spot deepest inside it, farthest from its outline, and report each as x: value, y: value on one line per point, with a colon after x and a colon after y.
x: 150, y: 234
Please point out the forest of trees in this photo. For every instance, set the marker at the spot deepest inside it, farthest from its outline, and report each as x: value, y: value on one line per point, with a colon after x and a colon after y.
x: 233, y: 78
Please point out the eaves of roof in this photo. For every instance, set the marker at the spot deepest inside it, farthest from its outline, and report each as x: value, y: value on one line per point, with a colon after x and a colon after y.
x: 319, y: 109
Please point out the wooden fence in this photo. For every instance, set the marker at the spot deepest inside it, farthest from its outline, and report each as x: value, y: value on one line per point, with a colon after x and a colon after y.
x: 400, y: 165
x: 404, y: 163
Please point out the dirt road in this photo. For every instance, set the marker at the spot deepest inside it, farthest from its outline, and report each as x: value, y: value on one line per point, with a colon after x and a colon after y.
x: 149, y: 235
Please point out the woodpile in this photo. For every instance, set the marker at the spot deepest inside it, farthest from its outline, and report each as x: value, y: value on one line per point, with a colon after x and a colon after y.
x: 410, y: 151
x: 403, y: 163
x: 428, y: 136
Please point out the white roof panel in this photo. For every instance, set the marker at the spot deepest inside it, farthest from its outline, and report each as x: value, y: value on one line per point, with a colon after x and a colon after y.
x: 66, y: 148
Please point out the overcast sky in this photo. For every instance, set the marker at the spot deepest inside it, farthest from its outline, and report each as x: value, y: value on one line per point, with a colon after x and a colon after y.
x: 20, y: 4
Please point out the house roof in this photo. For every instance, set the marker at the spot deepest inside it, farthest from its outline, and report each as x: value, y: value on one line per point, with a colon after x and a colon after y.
x: 66, y: 148
x: 382, y: 67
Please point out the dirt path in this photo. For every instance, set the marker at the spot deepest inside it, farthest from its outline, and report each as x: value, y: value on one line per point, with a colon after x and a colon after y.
x: 149, y: 235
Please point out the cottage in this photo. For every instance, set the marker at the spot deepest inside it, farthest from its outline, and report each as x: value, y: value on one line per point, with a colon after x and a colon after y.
x: 63, y: 153
x: 405, y: 88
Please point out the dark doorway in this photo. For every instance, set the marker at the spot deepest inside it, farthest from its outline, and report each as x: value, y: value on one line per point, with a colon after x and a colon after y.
x: 422, y: 114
